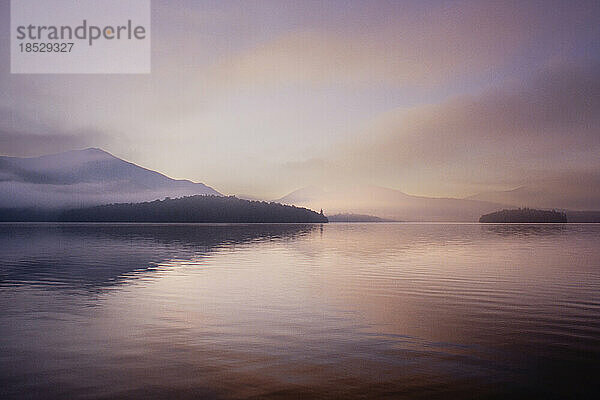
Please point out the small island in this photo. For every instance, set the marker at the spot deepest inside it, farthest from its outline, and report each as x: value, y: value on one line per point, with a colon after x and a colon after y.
x: 524, y: 215
x: 356, y: 218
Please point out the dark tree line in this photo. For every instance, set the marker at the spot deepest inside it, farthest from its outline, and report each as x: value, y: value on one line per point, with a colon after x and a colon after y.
x: 525, y: 215
x: 194, y: 209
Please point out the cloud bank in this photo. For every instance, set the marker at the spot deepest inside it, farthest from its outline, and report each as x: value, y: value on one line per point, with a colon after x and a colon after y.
x: 261, y: 98
x: 546, y: 128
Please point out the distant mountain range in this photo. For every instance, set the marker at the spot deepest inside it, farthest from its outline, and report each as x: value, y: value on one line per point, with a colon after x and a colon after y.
x: 569, y: 195
x: 82, y: 178
x: 396, y: 205
x: 85, y: 178
x: 388, y: 204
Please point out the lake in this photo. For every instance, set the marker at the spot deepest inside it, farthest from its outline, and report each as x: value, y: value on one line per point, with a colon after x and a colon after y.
x: 390, y: 310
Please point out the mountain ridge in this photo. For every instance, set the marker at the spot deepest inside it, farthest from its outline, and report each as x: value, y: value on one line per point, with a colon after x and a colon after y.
x: 388, y: 203
x: 85, y: 177
x: 545, y: 195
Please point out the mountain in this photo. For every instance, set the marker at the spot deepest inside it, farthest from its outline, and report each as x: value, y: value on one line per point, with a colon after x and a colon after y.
x: 572, y: 195
x: 85, y: 178
x: 388, y: 203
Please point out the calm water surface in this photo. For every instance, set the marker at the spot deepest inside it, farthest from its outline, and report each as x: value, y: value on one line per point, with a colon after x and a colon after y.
x: 299, y: 311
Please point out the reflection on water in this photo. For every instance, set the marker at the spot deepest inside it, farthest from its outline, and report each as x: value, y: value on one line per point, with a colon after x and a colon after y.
x: 525, y: 229
x: 299, y: 311
x: 98, y: 255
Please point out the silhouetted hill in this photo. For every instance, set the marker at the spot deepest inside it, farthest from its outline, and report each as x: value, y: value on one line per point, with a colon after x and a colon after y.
x: 82, y: 178
x: 215, y: 209
x: 524, y: 215
x: 356, y: 218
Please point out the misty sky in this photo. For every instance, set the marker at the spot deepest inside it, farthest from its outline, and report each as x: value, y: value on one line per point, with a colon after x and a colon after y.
x: 264, y: 97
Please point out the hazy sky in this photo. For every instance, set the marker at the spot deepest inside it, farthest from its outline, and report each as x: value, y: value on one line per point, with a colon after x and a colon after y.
x: 263, y: 97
